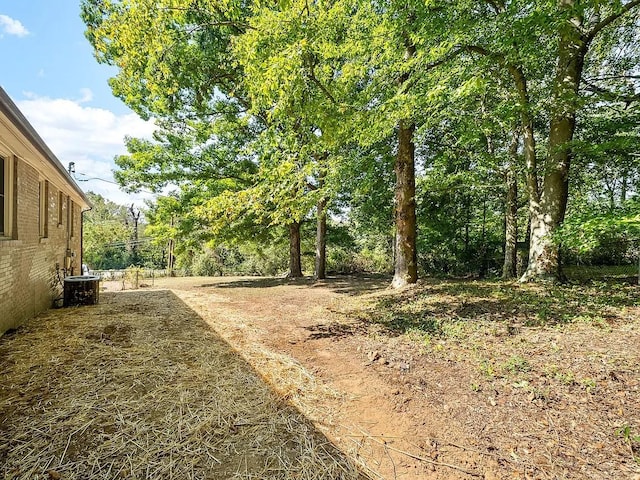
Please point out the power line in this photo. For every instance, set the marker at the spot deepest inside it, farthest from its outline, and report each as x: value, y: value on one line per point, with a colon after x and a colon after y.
x: 93, y: 178
x: 102, y: 180
x: 127, y: 243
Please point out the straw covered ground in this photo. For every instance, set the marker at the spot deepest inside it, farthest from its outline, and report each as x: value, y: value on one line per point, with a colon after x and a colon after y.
x: 139, y: 386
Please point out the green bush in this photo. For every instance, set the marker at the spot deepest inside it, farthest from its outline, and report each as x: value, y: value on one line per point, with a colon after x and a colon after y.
x: 376, y: 260
x: 269, y: 261
x: 340, y: 260
x: 207, y: 263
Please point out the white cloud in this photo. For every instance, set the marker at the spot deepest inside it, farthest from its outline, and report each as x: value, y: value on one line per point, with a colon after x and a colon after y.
x: 87, y: 95
x: 88, y: 136
x: 11, y: 26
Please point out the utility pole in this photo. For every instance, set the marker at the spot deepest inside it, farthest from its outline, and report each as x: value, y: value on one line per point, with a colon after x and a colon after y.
x: 171, y: 259
x: 135, y: 256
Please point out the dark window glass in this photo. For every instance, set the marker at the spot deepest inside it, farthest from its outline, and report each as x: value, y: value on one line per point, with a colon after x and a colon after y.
x: 60, y: 203
x: 72, y: 229
x: 2, y: 192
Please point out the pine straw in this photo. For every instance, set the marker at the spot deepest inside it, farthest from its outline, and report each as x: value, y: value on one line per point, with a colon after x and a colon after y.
x: 290, y: 379
x: 140, y: 387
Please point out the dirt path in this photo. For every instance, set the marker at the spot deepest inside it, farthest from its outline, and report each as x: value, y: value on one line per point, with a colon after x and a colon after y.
x: 371, y: 416
x: 493, y: 398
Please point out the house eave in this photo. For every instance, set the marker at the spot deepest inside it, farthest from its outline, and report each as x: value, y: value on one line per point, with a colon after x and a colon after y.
x: 10, y: 110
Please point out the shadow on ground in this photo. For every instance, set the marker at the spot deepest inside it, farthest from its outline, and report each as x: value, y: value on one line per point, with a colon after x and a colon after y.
x: 435, y: 306
x: 344, y: 284
x: 140, y: 387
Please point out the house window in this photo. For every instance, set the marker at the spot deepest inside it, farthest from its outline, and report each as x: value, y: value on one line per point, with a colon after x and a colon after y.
x: 60, y: 208
x: 3, y: 190
x: 6, y: 197
x: 70, y: 217
x: 44, y: 210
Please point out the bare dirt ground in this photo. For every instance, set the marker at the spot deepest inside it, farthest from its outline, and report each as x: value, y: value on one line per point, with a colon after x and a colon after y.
x: 447, y: 380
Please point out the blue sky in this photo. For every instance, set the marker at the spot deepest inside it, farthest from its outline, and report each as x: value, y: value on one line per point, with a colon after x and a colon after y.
x: 49, y: 71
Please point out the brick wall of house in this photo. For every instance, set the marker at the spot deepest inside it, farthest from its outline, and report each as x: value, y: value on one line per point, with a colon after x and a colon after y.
x: 29, y: 280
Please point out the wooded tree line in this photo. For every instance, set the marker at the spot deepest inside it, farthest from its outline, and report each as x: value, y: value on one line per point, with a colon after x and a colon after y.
x: 458, y: 129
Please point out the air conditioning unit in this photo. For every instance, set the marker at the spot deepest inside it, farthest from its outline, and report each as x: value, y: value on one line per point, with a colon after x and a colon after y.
x: 81, y: 290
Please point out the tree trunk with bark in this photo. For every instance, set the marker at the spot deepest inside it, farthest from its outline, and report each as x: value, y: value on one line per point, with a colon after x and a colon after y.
x: 406, y: 262
x: 548, y: 214
x: 484, y: 261
x: 321, y: 240
x: 406, y: 257
x: 510, y: 265
x: 295, y: 265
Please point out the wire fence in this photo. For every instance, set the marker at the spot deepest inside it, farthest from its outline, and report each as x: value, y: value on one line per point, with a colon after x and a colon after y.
x: 134, y: 277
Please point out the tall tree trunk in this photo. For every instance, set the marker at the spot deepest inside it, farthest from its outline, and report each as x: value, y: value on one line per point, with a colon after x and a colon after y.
x: 406, y: 258
x: 523, y: 252
x: 171, y: 258
x: 406, y: 262
x: 531, y: 162
x: 510, y: 266
x: 623, y: 186
x: 544, y: 252
x: 321, y: 240
x: 295, y: 265
x: 573, y: 44
x: 484, y: 261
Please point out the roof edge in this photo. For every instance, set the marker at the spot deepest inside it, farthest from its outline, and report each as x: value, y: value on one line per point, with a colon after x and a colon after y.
x: 11, y: 110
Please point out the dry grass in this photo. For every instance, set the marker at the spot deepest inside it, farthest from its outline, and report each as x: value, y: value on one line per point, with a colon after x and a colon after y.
x: 140, y: 387
x: 545, y: 377
x: 291, y: 380
x: 479, y: 379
